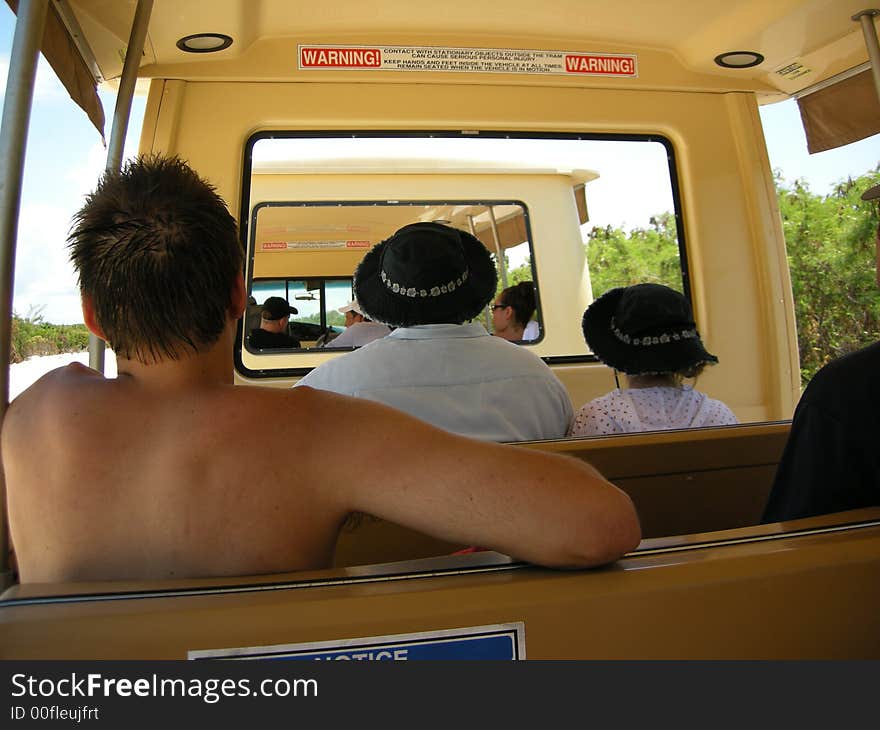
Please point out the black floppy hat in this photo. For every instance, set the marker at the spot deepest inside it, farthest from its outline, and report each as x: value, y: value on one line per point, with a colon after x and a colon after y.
x: 425, y: 273
x: 646, y: 329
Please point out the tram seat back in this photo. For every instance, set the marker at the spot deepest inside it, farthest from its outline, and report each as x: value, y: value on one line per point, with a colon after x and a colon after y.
x: 690, y: 481
x: 682, y: 482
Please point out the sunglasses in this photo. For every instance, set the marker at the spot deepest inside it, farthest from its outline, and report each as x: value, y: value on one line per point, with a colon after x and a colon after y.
x: 499, y: 306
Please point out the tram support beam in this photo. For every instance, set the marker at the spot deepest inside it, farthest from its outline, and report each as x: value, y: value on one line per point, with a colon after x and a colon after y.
x: 502, y: 264
x: 866, y: 18
x: 13, y: 143
x: 118, y: 132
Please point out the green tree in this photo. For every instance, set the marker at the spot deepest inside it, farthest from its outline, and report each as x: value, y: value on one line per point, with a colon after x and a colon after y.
x: 831, y: 256
x: 334, y: 318
x: 523, y: 272
x: 617, y: 258
x: 830, y: 244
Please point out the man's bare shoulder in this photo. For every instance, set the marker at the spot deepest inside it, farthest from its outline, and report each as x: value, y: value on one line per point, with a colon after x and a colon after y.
x: 70, y: 375
x: 47, y: 400
x: 323, y: 411
x: 54, y: 384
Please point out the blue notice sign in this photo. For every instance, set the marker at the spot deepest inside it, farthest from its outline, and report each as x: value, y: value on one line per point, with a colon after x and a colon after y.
x: 497, y: 641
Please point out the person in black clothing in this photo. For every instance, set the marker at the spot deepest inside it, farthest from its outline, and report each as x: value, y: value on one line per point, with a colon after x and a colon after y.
x: 272, y: 331
x: 831, y: 462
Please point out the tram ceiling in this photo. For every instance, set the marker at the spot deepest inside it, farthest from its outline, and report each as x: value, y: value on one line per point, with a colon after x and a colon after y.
x: 801, y: 42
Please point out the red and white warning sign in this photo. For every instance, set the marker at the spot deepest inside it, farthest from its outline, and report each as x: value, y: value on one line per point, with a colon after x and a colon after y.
x: 606, y: 65
x: 467, y: 60
x: 328, y: 57
x: 312, y: 245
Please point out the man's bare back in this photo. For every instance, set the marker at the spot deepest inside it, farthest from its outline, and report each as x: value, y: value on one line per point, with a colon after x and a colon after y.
x: 171, y: 471
x: 117, y: 479
x: 131, y: 482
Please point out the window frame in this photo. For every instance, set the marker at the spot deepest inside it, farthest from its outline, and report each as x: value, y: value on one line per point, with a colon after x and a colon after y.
x: 247, y: 222
x: 322, y: 307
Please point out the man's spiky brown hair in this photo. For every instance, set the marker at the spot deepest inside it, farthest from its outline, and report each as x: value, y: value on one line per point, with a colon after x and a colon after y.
x: 157, y: 252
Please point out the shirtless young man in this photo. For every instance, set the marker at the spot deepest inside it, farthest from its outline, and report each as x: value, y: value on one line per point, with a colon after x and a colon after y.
x: 163, y: 472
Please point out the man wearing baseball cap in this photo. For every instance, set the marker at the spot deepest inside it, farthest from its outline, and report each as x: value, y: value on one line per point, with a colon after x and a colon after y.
x: 272, y: 332
x: 359, y: 329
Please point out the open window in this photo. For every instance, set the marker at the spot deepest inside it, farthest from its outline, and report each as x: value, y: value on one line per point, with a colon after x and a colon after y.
x: 574, y: 215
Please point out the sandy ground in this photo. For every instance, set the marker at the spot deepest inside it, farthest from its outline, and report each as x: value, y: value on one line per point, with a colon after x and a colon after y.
x: 23, y: 374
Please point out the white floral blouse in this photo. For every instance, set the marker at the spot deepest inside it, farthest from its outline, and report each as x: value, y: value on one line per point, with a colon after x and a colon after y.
x: 650, y: 409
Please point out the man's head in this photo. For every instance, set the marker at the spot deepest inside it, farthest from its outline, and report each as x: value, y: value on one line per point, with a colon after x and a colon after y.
x: 353, y: 313
x: 158, y: 258
x: 276, y: 314
x: 426, y: 273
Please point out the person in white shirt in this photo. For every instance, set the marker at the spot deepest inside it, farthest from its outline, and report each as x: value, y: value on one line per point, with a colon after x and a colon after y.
x: 647, y: 332
x: 427, y: 280
x: 359, y: 330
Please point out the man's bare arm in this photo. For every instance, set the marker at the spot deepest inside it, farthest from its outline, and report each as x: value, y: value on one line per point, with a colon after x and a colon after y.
x: 545, y: 508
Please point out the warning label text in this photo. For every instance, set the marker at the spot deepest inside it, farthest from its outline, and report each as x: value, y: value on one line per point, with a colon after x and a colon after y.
x: 467, y: 60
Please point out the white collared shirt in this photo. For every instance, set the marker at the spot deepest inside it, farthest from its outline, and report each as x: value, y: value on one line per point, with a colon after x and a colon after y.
x: 456, y: 377
x: 359, y: 334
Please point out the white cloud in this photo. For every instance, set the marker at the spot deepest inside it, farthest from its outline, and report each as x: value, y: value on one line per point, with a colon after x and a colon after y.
x: 44, y: 278
x: 47, y: 87
x: 84, y: 177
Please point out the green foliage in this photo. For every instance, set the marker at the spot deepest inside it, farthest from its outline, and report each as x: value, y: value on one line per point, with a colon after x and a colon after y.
x: 523, y: 272
x: 831, y: 256
x: 32, y: 335
x: 334, y: 318
x: 617, y: 258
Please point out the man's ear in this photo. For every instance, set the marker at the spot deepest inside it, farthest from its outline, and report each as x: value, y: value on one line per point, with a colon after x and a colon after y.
x: 88, y: 310
x: 238, y: 299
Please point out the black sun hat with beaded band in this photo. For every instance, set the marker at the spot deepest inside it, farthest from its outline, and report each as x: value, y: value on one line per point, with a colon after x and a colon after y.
x: 425, y: 273
x: 646, y: 329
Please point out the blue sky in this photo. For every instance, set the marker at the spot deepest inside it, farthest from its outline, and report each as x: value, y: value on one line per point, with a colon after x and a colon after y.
x: 65, y: 157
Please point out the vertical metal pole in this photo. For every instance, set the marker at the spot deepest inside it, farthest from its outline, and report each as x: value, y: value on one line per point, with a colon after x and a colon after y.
x: 487, y: 313
x: 866, y: 18
x: 13, y: 143
x: 498, y: 249
x: 121, y: 115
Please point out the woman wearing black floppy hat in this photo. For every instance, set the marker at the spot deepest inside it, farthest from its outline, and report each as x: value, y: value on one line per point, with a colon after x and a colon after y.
x: 647, y: 332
